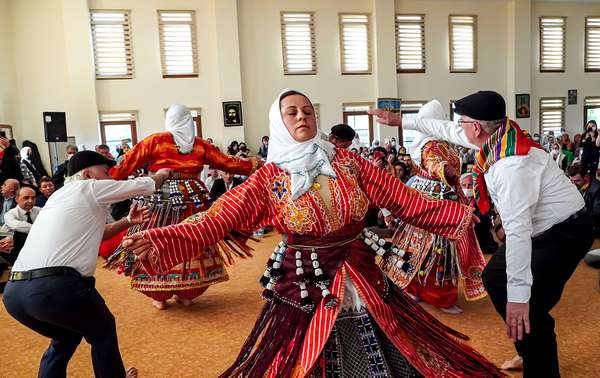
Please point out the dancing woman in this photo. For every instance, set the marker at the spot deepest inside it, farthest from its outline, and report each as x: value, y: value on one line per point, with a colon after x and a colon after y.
x: 330, y: 310
x: 181, y: 196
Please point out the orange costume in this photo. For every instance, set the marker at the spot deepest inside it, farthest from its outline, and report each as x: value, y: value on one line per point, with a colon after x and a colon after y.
x: 437, y: 264
x: 181, y: 196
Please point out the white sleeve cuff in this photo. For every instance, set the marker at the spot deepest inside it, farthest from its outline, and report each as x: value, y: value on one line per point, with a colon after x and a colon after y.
x: 518, y: 294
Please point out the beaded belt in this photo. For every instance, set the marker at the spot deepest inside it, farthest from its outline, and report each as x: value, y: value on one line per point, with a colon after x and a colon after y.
x: 433, y: 188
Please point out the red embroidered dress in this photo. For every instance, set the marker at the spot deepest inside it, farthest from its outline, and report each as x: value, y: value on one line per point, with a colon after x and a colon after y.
x: 181, y: 197
x: 322, y: 263
x: 437, y: 264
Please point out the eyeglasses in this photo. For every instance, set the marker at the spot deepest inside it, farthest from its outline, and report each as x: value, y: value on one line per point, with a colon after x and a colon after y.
x: 462, y: 122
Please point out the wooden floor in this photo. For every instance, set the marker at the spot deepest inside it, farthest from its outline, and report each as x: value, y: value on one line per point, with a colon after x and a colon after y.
x: 203, y: 340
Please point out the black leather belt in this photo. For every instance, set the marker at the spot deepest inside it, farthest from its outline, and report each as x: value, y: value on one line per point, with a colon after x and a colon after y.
x: 578, y: 214
x: 44, y: 272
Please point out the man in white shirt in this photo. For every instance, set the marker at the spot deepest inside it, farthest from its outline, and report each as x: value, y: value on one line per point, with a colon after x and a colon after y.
x: 547, y: 228
x: 19, y: 220
x: 51, y: 287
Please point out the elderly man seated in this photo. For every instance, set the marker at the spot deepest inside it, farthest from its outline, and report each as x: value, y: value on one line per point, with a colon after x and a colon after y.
x: 20, y: 219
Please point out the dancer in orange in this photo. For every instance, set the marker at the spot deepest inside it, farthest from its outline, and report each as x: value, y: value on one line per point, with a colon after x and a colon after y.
x: 181, y: 196
x: 437, y: 264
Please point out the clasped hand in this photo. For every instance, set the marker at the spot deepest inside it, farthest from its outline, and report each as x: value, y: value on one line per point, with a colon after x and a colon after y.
x: 138, y: 245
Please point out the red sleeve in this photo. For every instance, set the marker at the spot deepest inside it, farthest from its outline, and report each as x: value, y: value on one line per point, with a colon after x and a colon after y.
x: 446, y: 218
x: 242, y: 207
x: 133, y: 160
x: 227, y: 163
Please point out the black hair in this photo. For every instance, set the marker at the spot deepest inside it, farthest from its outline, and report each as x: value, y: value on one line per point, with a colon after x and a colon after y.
x: 291, y: 93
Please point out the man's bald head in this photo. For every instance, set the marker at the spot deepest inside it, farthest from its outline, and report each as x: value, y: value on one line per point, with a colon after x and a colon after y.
x: 9, y: 188
x: 26, y: 198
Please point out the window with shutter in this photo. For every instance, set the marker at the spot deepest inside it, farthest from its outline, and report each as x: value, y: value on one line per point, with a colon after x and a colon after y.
x: 463, y: 43
x: 592, y: 44
x: 178, y: 51
x: 552, y: 114
x: 410, y: 43
x: 355, y: 43
x: 298, y: 43
x: 552, y: 44
x: 111, y: 36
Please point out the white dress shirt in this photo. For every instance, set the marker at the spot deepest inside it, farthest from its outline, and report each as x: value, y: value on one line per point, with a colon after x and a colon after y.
x: 16, y: 219
x: 530, y: 193
x: 69, y: 229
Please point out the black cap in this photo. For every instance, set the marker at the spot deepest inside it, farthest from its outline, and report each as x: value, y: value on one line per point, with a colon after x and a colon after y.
x: 343, y: 132
x: 86, y: 159
x: 482, y: 106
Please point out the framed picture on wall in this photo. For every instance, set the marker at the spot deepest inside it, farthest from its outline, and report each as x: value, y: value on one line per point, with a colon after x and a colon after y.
x: 6, y: 131
x: 232, y: 113
x: 522, y: 104
x: 572, y: 96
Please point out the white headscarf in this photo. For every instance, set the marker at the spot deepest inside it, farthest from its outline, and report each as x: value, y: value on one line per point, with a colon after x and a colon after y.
x: 432, y: 110
x: 303, y: 161
x: 25, y: 153
x: 179, y: 122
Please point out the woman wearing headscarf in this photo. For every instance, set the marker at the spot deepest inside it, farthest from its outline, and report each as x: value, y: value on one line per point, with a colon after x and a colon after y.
x: 559, y: 156
x: 30, y: 174
x: 183, y: 195
x: 330, y: 310
x: 438, y: 263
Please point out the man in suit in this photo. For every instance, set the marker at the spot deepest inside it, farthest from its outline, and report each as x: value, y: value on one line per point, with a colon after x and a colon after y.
x: 7, y: 199
x: 225, y: 183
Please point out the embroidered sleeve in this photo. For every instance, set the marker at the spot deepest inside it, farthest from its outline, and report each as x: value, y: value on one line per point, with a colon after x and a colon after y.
x: 447, y: 218
x: 227, y: 163
x: 133, y: 160
x: 242, y: 207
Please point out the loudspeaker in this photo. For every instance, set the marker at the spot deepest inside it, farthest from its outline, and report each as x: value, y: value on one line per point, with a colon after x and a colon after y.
x: 55, y: 127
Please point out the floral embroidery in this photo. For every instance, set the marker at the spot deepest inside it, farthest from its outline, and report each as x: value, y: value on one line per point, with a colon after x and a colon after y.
x: 279, y: 189
x: 299, y: 219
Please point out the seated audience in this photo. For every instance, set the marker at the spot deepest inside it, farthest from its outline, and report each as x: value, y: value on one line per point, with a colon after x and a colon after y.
x: 211, y: 177
x: 341, y: 136
x: 225, y: 183
x: 558, y: 156
x: 46, y: 187
x: 589, y: 187
x: 20, y: 219
x: 27, y: 170
x: 7, y: 199
x: 104, y: 150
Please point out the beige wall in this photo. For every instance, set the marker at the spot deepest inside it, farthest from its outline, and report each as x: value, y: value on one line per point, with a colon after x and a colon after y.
x: 574, y: 77
x: 7, y: 69
x: 492, y: 37
x: 262, y: 67
x: 46, y: 62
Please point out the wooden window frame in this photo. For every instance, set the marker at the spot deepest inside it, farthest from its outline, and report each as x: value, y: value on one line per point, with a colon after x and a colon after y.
x: 541, y: 110
x: 132, y: 125
x: 163, y: 64
x: 350, y: 113
x: 369, y: 70
x: 423, y: 55
x: 540, y: 52
x: 475, y: 44
x: 313, y: 44
x: 128, y: 45
x: 585, y: 51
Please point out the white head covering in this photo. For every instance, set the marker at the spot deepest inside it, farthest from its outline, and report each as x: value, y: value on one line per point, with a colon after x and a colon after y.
x: 303, y: 161
x: 432, y: 110
x: 179, y: 122
x: 25, y: 153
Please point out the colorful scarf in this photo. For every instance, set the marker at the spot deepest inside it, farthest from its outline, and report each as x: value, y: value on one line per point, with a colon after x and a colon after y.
x: 508, y: 140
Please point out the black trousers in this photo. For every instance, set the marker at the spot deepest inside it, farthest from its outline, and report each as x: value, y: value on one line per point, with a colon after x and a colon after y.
x: 66, y: 309
x: 555, y: 255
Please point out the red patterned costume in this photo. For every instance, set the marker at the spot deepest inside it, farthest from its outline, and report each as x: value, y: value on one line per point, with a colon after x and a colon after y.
x: 322, y: 283
x: 181, y: 197
x: 436, y: 263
